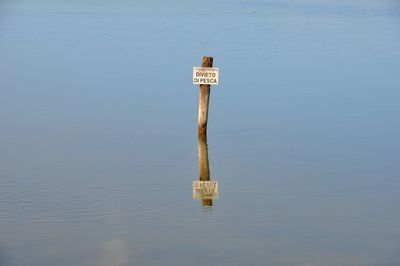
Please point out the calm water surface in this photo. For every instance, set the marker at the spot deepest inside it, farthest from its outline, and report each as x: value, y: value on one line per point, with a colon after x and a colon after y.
x: 98, y: 145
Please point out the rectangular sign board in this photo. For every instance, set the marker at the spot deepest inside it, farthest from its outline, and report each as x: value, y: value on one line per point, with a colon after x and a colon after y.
x: 205, y: 75
x: 205, y: 189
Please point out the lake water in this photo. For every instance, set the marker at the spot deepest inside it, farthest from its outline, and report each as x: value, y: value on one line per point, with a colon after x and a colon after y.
x: 98, y: 134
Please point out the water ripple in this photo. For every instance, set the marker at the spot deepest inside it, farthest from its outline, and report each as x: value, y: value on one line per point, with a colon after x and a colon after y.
x: 25, y: 202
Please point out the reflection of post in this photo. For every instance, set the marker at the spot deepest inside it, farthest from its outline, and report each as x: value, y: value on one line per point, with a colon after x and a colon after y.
x: 204, y: 189
x: 204, y: 167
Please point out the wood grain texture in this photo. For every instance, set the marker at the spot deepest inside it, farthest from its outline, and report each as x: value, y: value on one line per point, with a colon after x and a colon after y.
x: 204, y: 99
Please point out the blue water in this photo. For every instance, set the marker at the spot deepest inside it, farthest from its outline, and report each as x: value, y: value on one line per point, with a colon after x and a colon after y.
x: 98, y: 137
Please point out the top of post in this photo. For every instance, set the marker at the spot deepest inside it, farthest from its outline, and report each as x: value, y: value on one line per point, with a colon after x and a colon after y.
x: 206, y: 74
x: 207, y: 61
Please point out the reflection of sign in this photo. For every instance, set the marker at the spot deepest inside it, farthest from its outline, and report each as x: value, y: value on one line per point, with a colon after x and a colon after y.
x: 205, y: 189
x: 205, y: 75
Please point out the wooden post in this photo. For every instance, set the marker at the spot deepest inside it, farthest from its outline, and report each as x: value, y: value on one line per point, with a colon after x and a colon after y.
x: 204, y: 99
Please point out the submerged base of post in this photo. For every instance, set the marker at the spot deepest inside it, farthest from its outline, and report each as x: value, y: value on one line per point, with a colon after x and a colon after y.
x: 207, y: 202
x: 202, y: 133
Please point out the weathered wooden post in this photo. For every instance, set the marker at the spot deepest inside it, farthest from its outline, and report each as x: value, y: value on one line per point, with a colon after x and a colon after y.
x: 204, y: 99
x: 204, y: 189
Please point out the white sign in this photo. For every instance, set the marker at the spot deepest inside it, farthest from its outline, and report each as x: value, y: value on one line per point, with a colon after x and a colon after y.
x: 205, y: 75
x: 205, y: 189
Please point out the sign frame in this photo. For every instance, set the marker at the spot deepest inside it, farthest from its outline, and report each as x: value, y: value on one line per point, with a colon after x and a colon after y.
x: 205, y: 75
